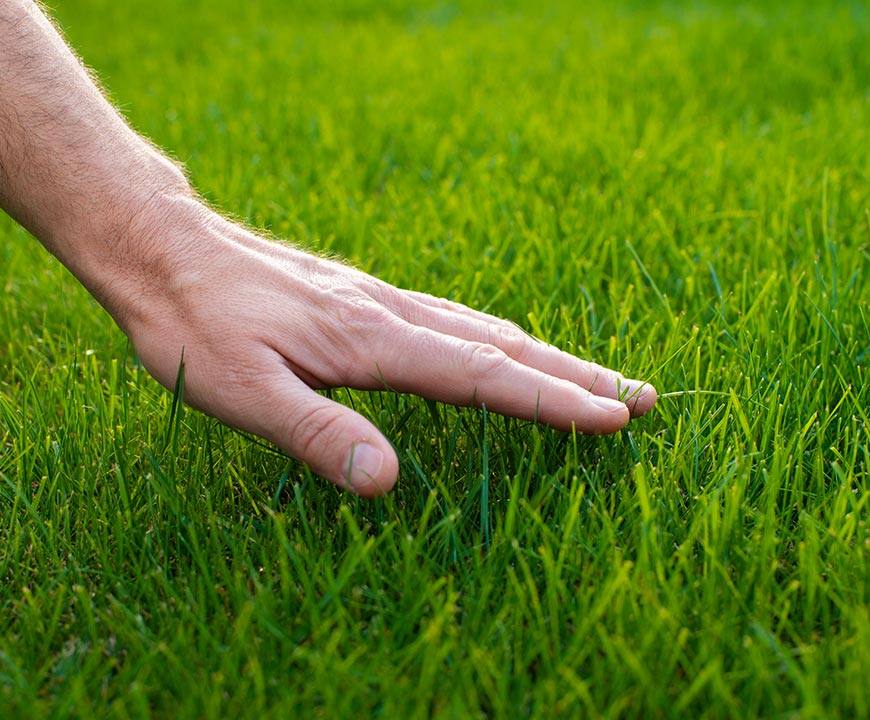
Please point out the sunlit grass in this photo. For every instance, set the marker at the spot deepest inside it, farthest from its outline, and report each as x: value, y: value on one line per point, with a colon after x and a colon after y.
x: 681, y: 193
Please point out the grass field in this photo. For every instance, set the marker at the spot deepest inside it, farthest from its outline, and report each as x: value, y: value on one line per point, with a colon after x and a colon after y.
x: 681, y: 192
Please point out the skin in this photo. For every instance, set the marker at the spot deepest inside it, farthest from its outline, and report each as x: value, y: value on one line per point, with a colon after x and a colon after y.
x: 261, y: 324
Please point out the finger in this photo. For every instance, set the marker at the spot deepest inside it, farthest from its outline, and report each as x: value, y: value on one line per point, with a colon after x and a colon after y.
x: 639, y: 396
x: 336, y: 442
x: 446, y: 368
x: 460, y: 309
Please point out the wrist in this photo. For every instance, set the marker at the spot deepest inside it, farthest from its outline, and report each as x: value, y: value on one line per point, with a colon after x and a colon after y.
x: 131, y: 192
x: 121, y: 248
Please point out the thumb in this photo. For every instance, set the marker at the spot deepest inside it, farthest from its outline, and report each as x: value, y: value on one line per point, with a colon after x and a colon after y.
x: 333, y: 440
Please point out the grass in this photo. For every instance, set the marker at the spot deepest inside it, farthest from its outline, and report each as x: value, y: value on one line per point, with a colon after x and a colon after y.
x: 681, y: 192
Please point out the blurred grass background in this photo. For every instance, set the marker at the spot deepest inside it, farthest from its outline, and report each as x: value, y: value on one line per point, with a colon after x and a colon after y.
x: 678, y: 190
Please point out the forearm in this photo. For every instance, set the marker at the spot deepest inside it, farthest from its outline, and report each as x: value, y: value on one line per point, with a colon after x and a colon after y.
x: 71, y: 170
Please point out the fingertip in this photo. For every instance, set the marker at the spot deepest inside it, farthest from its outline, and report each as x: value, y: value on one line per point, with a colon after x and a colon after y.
x: 370, y: 469
x: 609, y: 416
x: 639, y: 396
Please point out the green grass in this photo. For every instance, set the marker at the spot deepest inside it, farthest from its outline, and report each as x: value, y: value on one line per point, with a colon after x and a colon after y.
x: 681, y: 192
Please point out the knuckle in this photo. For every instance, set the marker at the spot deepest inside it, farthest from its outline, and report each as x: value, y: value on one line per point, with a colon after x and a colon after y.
x: 512, y: 340
x: 352, y: 325
x: 321, y: 425
x: 357, y: 313
x: 483, y: 360
x: 593, y: 376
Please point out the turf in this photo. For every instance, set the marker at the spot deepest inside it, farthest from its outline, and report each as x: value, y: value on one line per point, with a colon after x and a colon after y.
x: 681, y: 192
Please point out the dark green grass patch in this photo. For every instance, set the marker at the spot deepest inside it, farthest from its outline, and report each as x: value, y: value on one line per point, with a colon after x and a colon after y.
x: 681, y: 192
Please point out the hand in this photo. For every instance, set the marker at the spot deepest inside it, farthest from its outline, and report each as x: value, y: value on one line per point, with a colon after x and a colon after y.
x: 262, y: 325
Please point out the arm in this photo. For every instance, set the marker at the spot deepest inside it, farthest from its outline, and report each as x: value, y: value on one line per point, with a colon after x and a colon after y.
x: 262, y: 325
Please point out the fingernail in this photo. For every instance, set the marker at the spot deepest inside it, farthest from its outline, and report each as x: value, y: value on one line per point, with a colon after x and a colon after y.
x: 639, y: 395
x: 363, y: 463
x: 607, y: 404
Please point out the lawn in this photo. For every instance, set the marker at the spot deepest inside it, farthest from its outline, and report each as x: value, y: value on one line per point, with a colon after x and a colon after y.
x: 682, y: 192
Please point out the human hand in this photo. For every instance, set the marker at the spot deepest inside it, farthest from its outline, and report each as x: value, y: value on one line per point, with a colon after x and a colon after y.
x: 261, y: 325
